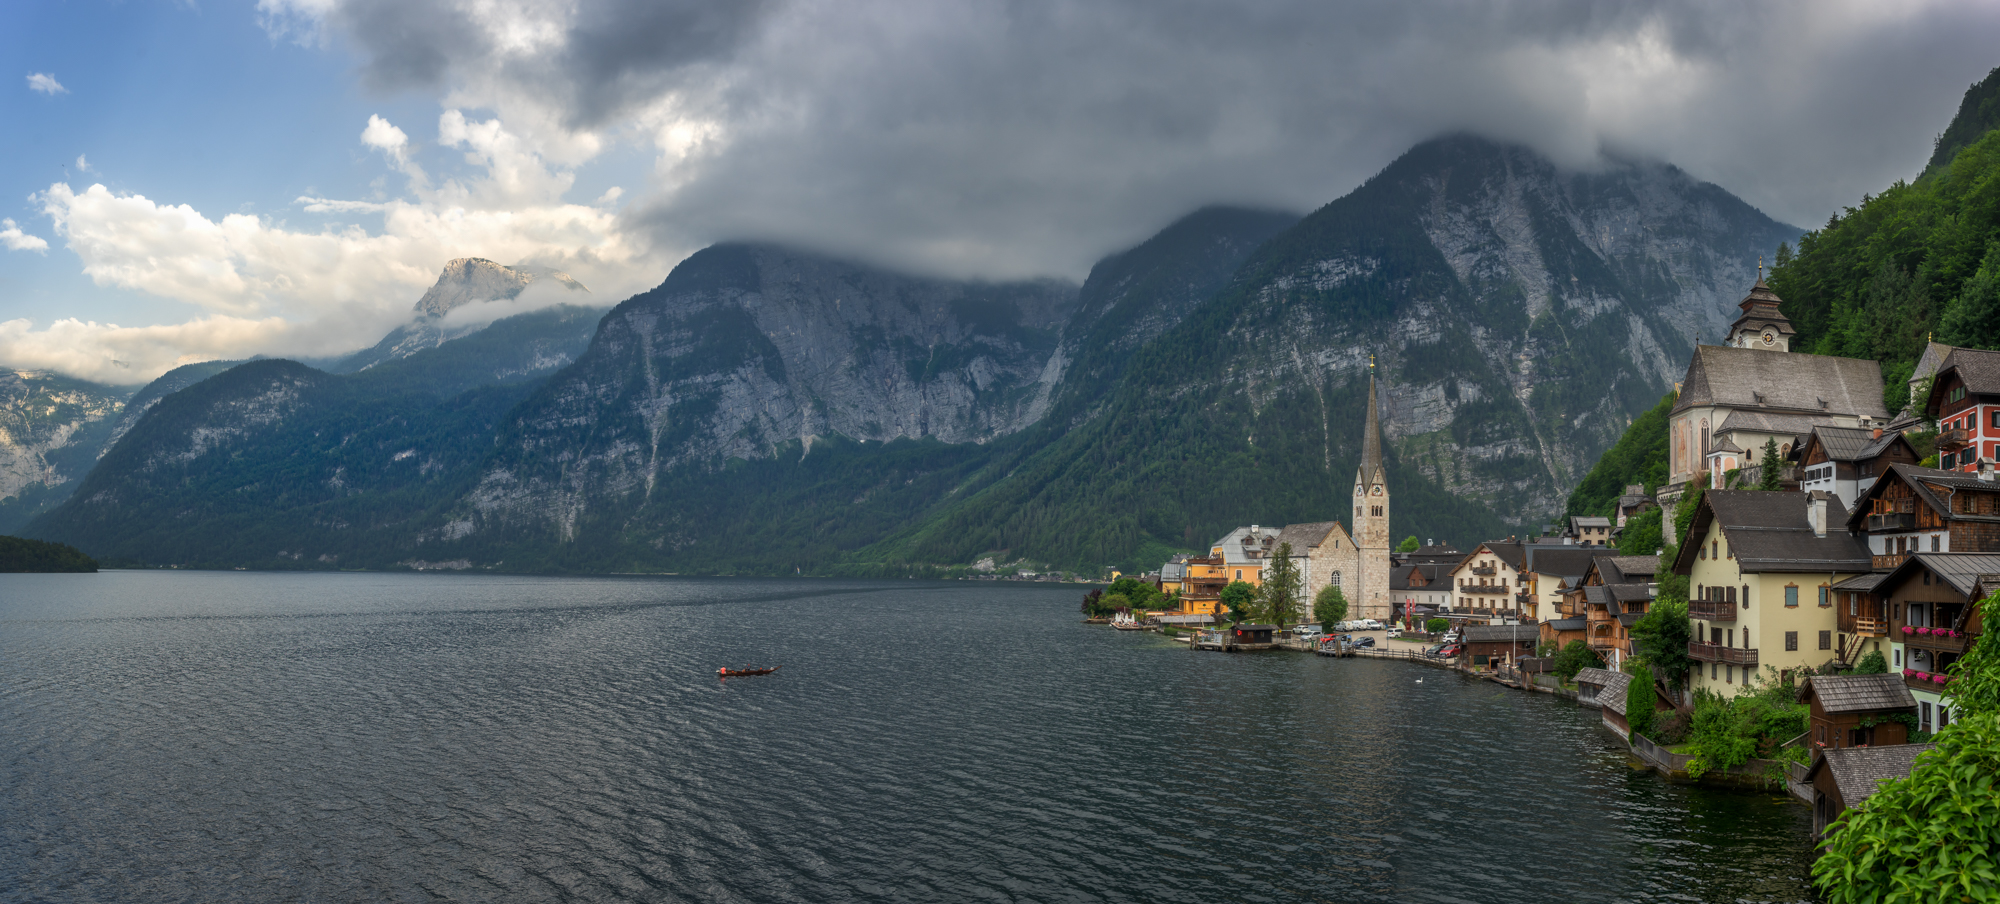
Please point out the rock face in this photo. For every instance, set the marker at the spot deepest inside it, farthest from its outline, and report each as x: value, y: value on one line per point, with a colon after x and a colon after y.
x: 52, y: 429
x: 747, y: 349
x: 464, y: 281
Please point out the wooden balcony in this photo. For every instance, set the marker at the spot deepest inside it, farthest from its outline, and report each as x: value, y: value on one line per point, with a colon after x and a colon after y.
x: 1715, y: 652
x: 1883, y: 521
x: 1888, y: 562
x: 1925, y: 683
x: 1951, y: 440
x: 1867, y: 626
x: 1940, y: 642
x: 1485, y: 570
x: 1712, y: 610
x: 1485, y: 588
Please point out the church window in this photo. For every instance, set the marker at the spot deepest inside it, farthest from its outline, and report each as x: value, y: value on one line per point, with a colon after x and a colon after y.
x: 1375, y: 511
x: 1336, y: 579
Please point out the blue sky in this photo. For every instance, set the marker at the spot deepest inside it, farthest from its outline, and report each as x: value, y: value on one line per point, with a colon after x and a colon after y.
x: 238, y: 201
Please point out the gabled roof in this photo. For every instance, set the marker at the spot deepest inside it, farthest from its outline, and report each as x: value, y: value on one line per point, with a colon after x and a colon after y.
x: 1857, y: 693
x: 1861, y: 583
x: 1308, y: 536
x: 1931, y: 485
x: 1627, y: 569
x: 1628, y: 619
x: 1631, y: 593
x: 1962, y: 570
x: 1589, y: 521
x: 1499, y: 633
x: 1613, y: 684
x: 1852, y: 443
x: 1979, y: 369
x: 1768, y: 532
x: 1859, y: 771
x: 1507, y: 551
x: 1597, y: 595
x: 1780, y: 382
x: 1561, y: 561
x: 1576, y: 623
x: 1237, y: 552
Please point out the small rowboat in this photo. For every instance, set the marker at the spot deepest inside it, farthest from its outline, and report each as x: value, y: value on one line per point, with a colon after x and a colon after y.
x: 727, y: 672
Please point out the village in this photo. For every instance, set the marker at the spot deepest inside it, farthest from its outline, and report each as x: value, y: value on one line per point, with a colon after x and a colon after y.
x: 1826, y: 559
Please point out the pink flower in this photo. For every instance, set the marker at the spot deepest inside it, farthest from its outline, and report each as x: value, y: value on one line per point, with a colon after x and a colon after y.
x: 1923, y: 676
x: 1909, y: 673
x: 1909, y: 630
x: 1924, y: 631
x: 1938, y: 679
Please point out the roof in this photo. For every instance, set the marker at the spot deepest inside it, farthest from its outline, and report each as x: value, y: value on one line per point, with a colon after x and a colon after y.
x: 1760, y: 310
x: 1590, y: 521
x: 1745, y: 378
x: 1256, y: 627
x: 1500, y: 633
x: 1859, y: 771
x: 1622, y: 569
x: 1979, y: 369
x: 1628, y: 619
x: 1854, y: 443
x: 1862, y: 583
x: 1929, y: 483
x: 1172, y: 571
x: 1308, y: 536
x: 1597, y: 594
x: 1399, y: 577
x: 1577, y: 623
x: 1631, y: 593
x: 1562, y: 561
x: 1858, y: 693
x: 1962, y: 570
x: 1769, y: 533
x: 1234, y: 552
x: 1613, y: 684
x: 1370, y: 471
x: 1793, y: 425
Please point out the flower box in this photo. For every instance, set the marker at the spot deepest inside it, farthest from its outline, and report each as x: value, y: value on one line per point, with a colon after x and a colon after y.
x: 1909, y: 630
x: 1909, y: 673
x: 1940, y: 679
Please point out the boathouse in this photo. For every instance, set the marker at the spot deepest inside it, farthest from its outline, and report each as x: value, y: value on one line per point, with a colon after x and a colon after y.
x: 1844, y: 778
x: 1859, y: 710
x: 1249, y: 634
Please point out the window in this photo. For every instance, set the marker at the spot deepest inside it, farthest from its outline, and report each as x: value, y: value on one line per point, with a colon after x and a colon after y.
x: 1826, y: 640
x: 1996, y: 417
x: 1791, y: 596
x: 1712, y: 549
x: 1791, y: 641
x: 1934, y: 543
x: 1924, y: 716
x: 1375, y: 511
x: 1825, y: 599
x: 1746, y: 596
x: 1729, y: 674
x: 1944, y: 716
x: 1239, y: 574
x: 1899, y: 658
x: 1854, y: 604
x: 1336, y: 579
x: 1731, y: 596
x: 1949, y: 459
x: 1711, y: 671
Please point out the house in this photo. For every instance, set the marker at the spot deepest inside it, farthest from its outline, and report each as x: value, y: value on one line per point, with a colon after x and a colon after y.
x: 1606, y: 690
x: 1422, y: 591
x: 1846, y: 461
x: 1589, y: 530
x: 1202, y: 580
x: 1934, y: 618
x: 1632, y: 502
x: 1549, y: 569
x: 1173, y: 575
x: 1927, y: 367
x: 1615, y: 592
x: 1755, y: 389
x: 1485, y: 581
x: 1858, y: 710
x: 1861, y: 617
x: 1912, y: 509
x: 1761, y: 568
x: 1496, y: 645
x: 1249, y: 634
x: 1324, y: 555
x: 1244, y: 552
x: 1845, y: 778
x: 1965, y: 402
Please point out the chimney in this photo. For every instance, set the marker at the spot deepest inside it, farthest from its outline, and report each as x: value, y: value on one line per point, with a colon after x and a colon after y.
x: 1253, y: 528
x: 1986, y: 469
x: 1878, y: 433
x: 1816, y: 512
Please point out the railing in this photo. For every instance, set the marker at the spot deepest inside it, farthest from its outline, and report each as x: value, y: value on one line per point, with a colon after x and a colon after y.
x: 1869, y: 626
x: 1485, y: 588
x: 1486, y: 570
x: 1923, y: 681
x: 1892, y: 521
x: 1715, y: 652
x: 1938, y: 641
x: 1952, y: 439
x: 1712, y: 610
x: 1888, y: 562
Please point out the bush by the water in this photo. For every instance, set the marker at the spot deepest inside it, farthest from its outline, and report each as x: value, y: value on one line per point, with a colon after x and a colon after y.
x: 19, y: 554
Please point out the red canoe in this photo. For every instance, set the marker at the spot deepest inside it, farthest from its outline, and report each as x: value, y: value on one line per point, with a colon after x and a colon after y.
x: 727, y: 672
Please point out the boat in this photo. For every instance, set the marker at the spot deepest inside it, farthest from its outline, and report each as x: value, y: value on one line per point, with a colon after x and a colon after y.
x: 727, y: 672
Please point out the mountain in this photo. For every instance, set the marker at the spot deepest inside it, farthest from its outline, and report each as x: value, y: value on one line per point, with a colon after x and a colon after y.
x: 471, y: 296
x: 52, y: 429
x: 1978, y: 114
x: 766, y: 410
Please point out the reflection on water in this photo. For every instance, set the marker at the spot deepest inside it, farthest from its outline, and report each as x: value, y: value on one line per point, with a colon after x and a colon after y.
x: 258, y: 737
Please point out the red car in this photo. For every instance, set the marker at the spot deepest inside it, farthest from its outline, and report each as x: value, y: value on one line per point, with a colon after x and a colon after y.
x: 1451, y: 652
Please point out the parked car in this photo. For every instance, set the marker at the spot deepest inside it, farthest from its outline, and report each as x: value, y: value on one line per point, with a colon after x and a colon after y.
x: 1306, y: 632
x: 1363, y: 642
x: 1395, y: 630
x: 1369, y: 624
x: 1452, y: 636
x: 1451, y: 651
x: 1435, y: 649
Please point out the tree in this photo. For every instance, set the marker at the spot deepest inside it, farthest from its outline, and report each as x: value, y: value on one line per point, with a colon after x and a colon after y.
x: 1769, y: 466
x: 1438, y: 625
x: 1238, y: 597
x: 1409, y: 544
x: 1575, y: 657
x: 1640, y: 702
x: 1872, y: 663
x: 1093, y: 605
x: 1278, y: 599
x: 1661, y: 636
x: 1641, y: 536
x: 1329, y: 607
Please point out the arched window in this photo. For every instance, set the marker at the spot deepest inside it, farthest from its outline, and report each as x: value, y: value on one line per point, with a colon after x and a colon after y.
x: 1336, y: 579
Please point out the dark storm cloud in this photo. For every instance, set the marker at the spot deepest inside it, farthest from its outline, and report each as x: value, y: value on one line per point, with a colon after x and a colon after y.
x: 1008, y: 138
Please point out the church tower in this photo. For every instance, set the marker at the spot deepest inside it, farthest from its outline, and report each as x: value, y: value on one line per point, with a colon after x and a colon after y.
x: 1762, y: 325
x: 1370, y: 597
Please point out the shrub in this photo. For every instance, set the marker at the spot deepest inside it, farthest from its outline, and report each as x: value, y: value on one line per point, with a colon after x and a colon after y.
x: 1639, y: 705
x: 1671, y: 728
x: 1438, y: 625
x: 1872, y: 663
x: 1578, y: 656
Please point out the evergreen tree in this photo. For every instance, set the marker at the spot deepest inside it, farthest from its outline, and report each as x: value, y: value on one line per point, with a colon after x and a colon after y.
x: 1278, y: 599
x: 1409, y: 544
x: 1769, y: 466
x: 1974, y: 319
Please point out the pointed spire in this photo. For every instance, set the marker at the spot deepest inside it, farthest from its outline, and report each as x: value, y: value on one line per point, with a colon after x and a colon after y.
x: 1371, y: 441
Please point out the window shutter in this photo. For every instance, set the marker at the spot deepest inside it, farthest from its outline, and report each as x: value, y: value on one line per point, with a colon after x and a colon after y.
x: 1826, y: 640
x: 1791, y: 641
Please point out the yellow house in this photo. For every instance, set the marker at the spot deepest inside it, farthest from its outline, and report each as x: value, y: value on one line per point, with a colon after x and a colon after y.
x: 1761, y: 568
x: 1244, y: 552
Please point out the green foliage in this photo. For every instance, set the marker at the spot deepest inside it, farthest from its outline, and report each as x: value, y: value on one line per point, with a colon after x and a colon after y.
x: 1577, y: 656
x: 1239, y: 598
x: 1713, y: 736
x: 1872, y: 663
x: 1660, y: 638
x: 1329, y: 607
x: 1437, y: 625
x: 1278, y: 597
x: 1641, y: 536
x: 1639, y: 456
x: 1978, y: 113
x: 1768, y: 467
x: 1975, y: 686
x: 18, y: 554
x: 1137, y: 593
x: 1877, y: 280
x: 1690, y: 503
x: 1640, y: 702
x: 1094, y: 605
x: 1726, y: 733
x: 1409, y: 544
x: 1117, y: 602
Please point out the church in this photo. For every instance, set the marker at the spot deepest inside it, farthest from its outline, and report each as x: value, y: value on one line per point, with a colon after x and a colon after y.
x: 1369, y: 597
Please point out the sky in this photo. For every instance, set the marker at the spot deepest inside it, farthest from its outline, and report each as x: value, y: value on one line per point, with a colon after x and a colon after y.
x: 187, y: 180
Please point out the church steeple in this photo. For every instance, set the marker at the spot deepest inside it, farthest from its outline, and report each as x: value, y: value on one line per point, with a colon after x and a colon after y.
x: 1369, y: 593
x: 1371, y: 441
x: 1762, y: 325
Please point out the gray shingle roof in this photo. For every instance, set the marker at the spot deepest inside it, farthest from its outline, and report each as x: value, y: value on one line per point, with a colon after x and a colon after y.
x: 1500, y: 633
x: 1590, y: 521
x: 1851, y: 443
x: 1928, y: 484
x: 1859, y: 771
x: 1862, y: 583
x: 1767, y: 422
x: 1787, y: 381
x: 1631, y: 593
x: 1980, y: 369
x: 1304, y: 537
x: 1568, y: 624
x: 1962, y: 570
x: 1628, y: 619
x: 1597, y: 594
x: 1628, y: 569
x: 1769, y: 533
x: 1561, y: 561
x: 1613, y: 684
x: 1858, y: 693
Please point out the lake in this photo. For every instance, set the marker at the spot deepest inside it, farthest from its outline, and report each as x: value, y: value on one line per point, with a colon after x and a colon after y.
x: 205, y: 736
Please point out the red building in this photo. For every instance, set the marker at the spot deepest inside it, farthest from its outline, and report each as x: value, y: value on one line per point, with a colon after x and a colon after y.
x: 1965, y: 399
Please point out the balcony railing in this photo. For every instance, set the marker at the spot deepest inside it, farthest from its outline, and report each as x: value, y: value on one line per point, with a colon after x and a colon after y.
x: 1715, y: 652
x: 1869, y: 626
x: 1712, y: 610
x: 1484, y: 570
x: 1889, y: 562
x: 1918, y: 680
x: 1892, y: 521
x: 1939, y: 640
x: 1952, y: 439
x: 1484, y: 588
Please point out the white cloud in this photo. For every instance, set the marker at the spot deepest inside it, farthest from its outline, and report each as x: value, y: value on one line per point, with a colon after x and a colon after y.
x: 389, y: 139
x: 16, y: 240
x: 82, y: 165
x: 46, y: 83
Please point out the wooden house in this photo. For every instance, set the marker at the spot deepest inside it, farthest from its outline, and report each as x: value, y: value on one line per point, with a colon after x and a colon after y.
x: 1606, y: 690
x: 1934, y: 619
x: 1858, y: 710
x: 1846, y: 461
x: 1965, y: 400
x: 1494, y: 645
x: 1249, y: 634
x: 1846, y: 777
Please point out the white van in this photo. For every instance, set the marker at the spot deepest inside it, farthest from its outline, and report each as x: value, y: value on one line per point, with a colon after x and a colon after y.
x: 1369, y: 624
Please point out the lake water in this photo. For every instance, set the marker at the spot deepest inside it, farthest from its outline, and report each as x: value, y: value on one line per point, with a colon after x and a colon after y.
x: 202, y: 737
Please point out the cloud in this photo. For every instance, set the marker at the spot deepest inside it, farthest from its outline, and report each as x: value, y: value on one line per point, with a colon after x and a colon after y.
x: 45, y: 83
x: 16, y: 240
x: 385, y: 137
x: 82, y: 165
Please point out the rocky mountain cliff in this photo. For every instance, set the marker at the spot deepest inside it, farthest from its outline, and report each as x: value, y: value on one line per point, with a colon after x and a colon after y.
x: 472, y: 285
x: 52, y: 429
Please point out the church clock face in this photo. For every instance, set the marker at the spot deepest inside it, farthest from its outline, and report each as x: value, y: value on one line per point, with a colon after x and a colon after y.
x: 1770, y: 338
